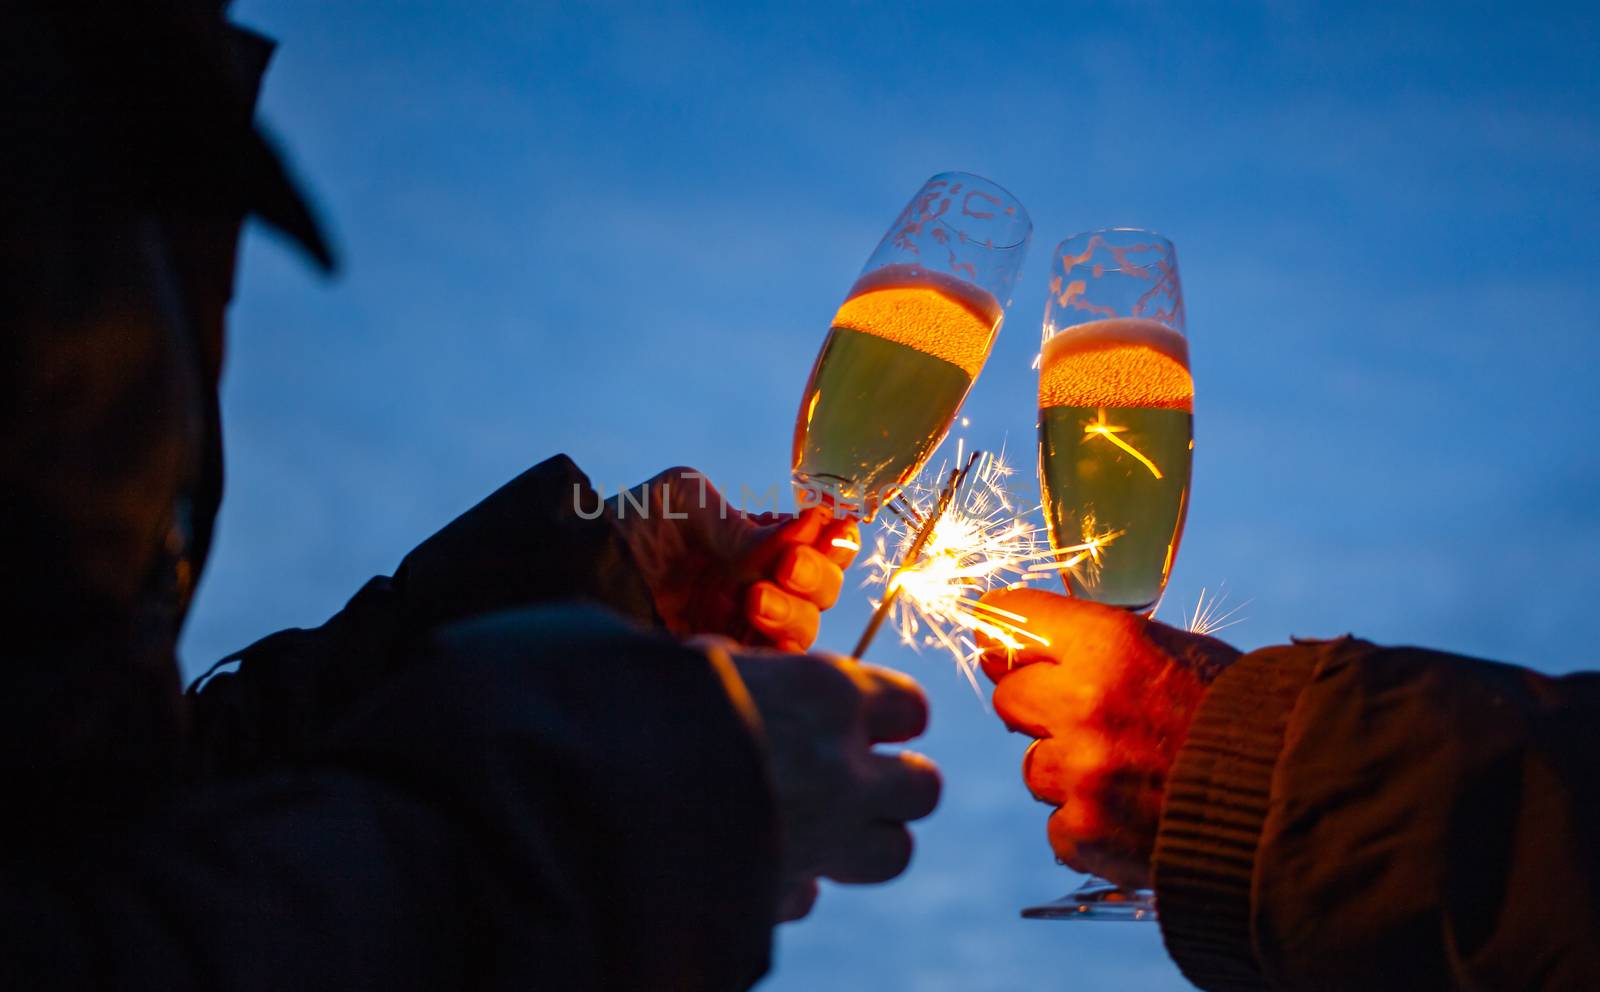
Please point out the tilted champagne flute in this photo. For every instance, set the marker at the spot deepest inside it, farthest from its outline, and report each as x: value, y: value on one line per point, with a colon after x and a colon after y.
x: 1116, y: 442
x: 907, y: 343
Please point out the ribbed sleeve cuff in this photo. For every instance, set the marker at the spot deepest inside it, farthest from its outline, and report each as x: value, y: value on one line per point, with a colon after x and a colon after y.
x: 1211, y: 823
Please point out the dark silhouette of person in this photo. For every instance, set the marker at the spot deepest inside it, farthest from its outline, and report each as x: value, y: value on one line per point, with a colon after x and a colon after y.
x: 559, y: 748
x: 1322, y: 814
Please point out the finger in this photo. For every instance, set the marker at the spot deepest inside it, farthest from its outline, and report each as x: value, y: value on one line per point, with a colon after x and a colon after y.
x: 840, y: 541
x: 1023, y: 647
x: 1056, y: 768
x: 876, y: 853
x: 902, y: 786
x: 780, y: 616
x: 1079, y: 839
x: 806, y: 526
x: 807, y: 572
x: 894, y: 709
x: 1045, y: 700
x: 999, y: 659
x: 797, y: 900
x: 1063, y: 842
x: 1111, y: 814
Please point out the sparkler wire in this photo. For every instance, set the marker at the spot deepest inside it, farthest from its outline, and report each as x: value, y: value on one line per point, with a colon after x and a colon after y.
x: 913, y: 553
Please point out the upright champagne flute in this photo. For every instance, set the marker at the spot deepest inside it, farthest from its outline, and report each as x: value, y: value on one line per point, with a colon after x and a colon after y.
x: 907, y: 343
x: 1116, y: 443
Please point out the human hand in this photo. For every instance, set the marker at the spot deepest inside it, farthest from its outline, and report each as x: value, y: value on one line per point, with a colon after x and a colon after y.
x: 842, y: 804
x: 1110, y: 700
x: 761, y: 579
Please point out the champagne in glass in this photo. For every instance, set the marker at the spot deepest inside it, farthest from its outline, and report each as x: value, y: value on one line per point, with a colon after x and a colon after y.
x: 907, y: 343
x: 1116, y: 437
x: 1116, y: 442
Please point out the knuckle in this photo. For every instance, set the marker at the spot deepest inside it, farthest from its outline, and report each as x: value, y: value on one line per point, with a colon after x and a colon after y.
x: 808, y: 617
x: 895, y: 850
x: 927, y: 784
x: 917, y: 711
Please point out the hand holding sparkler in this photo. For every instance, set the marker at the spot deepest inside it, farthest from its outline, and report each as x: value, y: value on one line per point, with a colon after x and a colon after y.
x: 1109, y: 695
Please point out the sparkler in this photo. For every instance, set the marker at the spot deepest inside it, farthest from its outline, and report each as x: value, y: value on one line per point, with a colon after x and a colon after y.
x: 1084, y: 557
x: 947, y: 544
x: 944, y: 548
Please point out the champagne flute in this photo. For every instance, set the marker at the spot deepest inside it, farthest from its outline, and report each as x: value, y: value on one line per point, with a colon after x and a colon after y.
x: 1116, y: 442
x: 907, y: 343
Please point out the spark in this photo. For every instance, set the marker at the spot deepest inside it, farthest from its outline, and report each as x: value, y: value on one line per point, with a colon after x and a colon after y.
x: 1109, y: 431
x: 1082, y: 559
x: 1209, y: 617
x: 981, y: 542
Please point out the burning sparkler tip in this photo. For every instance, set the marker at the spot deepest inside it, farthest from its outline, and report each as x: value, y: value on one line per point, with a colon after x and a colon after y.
x: 949, y: 544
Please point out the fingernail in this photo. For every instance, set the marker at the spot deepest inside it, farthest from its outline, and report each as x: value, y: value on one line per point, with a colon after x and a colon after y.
x: 772, y: 605
x: 803, y: 572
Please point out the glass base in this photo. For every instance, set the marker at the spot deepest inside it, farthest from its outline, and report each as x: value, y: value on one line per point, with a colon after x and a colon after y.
x: 1097, y: 899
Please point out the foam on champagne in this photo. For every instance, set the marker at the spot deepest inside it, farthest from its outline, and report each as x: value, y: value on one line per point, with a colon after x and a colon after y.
x: 1120, y: 362
x: 936, y: 314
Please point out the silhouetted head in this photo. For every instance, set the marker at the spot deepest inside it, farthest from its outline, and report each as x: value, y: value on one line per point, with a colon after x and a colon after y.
x: 129, y: 162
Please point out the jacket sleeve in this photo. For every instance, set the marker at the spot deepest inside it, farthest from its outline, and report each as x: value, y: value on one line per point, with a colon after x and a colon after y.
x: 1347, y: 816
x: 546, y: 798
x: 537, y: 539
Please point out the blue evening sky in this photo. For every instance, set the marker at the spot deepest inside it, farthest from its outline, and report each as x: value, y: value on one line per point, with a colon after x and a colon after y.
x: 619, y: 231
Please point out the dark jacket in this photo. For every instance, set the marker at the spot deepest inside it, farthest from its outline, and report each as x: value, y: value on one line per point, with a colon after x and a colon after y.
x: 486, y: 772
x: 1349, y: 817
x: 468, y: 778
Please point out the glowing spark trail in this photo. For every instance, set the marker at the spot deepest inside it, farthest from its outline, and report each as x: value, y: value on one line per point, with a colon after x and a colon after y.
x: 947, y: 542
x: 945, y: 548
x: 1081, y: 559
x: 1209, y: 617
x: 1109, y: 431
